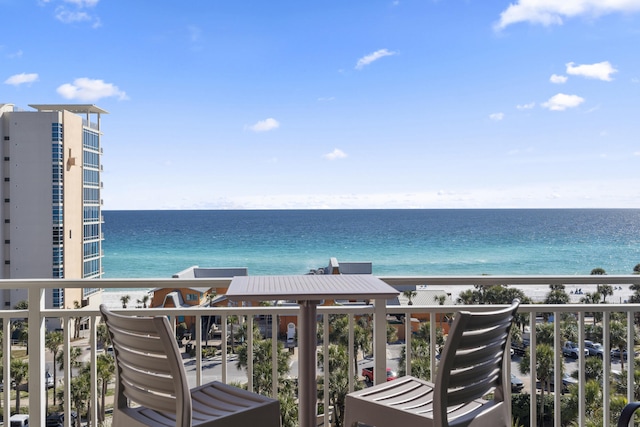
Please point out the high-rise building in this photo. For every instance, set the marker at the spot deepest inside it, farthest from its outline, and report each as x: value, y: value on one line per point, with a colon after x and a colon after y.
x: 51, y: 216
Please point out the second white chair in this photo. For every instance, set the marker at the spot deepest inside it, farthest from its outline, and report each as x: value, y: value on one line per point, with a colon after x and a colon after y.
x: 473, y: 365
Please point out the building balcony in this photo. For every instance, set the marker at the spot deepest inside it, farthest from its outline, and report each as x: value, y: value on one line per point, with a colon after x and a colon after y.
x: 577, y: 322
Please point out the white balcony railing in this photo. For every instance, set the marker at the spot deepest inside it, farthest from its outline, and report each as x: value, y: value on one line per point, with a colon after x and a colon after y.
x: 37, y: 317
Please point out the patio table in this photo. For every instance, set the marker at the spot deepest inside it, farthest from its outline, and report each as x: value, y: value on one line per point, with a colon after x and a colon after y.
x: 309, y: 291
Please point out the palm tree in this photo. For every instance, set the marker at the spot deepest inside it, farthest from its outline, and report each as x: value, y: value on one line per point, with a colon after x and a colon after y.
x: 605, y: 290
x: 598, y: 271
x: 232, y: 320
x: 618, y: 335
x: 262, y: 368
x: 410, y: 295
x: 125, y: 300
x: 74, y: 358
x: 102, y: 334
x: 81, y: 392
x: 592, y: 298
x: 210, y: 297
x: 53, y: 342
x: 338, y: 380
x: 544, y: 333
x: 556, y: 295
x: 636, y: 269
x: 440, y: 300
x: 19, y: 373
x: 362, y: 334
x: 105, y: 368
x: 288, y: 403
x: 420, y: 360
x: 544, y: 368
x: 76, y: 321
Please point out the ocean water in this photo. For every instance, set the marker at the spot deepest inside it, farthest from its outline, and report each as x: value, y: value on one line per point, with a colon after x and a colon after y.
x: 157, y: 244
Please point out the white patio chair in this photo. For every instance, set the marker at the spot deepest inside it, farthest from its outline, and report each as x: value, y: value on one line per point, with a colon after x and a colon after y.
x: 473, y: 364
x: 152, y: 387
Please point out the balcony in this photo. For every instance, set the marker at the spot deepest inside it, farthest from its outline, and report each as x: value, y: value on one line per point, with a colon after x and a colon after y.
x: 200, y: 369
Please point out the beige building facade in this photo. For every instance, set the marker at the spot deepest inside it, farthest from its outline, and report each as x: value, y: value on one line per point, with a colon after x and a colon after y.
x: 51, y: 216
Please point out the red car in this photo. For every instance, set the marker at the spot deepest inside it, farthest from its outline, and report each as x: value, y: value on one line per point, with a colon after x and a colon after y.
x: 367, y: 373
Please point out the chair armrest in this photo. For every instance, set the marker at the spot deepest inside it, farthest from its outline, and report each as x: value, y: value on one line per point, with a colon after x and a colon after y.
x: 627, y: 413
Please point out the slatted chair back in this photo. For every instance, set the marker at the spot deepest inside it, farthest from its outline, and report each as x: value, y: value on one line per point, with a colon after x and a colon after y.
x: 473, y: 365
x: 149, y: 368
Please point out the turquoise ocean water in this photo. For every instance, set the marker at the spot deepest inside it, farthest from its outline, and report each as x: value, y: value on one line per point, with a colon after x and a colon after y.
x: 157, y: 244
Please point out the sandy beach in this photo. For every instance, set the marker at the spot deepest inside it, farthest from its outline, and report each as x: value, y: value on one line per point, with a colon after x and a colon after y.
x: 111, y: 297
x: 537, y: 294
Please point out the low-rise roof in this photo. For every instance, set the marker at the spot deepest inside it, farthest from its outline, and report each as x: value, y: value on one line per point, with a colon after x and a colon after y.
x: 74, y: 108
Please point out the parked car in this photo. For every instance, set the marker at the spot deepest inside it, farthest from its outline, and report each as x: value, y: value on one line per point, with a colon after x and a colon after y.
x: 48, y: 383
x: 367, y: 373
x: 19, y: 420
x: 516, y: 384
x: 56, y: 419
x: 594, y: 348
x: 567, y: 380
x: 13, y: 384
x: 48, y: 380
x: 571, y: 349
x: 615, y: 354
x: 518, y: 349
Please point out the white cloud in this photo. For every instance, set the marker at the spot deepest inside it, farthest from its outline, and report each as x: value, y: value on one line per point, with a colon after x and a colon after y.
x: 557, y: 79
x: 18, y: 79
x: 68, y: 16
x: 17, y: 54
x: 265, y: 125
x: 76, y: 12
x: 496, y: 116
x: 83, y: 3
x: 561, y: 102
x: 528, y: 106
x: 368, y: 59
x: 335, y: 155
x: 552, y: 12
x: 600, y: 71
x: 85, y: 89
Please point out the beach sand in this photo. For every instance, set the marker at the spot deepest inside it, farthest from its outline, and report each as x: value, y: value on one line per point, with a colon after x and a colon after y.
x: 621, y: 294
x: 537, y: 294
x: 111, y: 297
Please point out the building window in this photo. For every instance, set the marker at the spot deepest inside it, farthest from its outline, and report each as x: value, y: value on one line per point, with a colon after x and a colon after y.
x: 58, y: 235
x: 91, y: 140
x: 58, y: 297
x: 6, y: 200
x: 57, y: 153
x: 91, y: 268
x: 6, y: 159
x: 56, y: 131
x: 7, y: 179
x: 6, y: 242
x: 7, y: 262
x: 87, y: 292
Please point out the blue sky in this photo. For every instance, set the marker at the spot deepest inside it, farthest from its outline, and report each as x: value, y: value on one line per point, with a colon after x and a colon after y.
x: 343, y: 104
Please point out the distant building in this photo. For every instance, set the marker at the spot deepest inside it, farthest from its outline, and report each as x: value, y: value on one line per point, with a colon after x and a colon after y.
x: 195, y: 296
x: 336, y: 267
x: 51, y: 199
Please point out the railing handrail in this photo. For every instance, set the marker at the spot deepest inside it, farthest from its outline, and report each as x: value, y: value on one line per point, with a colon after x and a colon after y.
x: 36, y: 315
